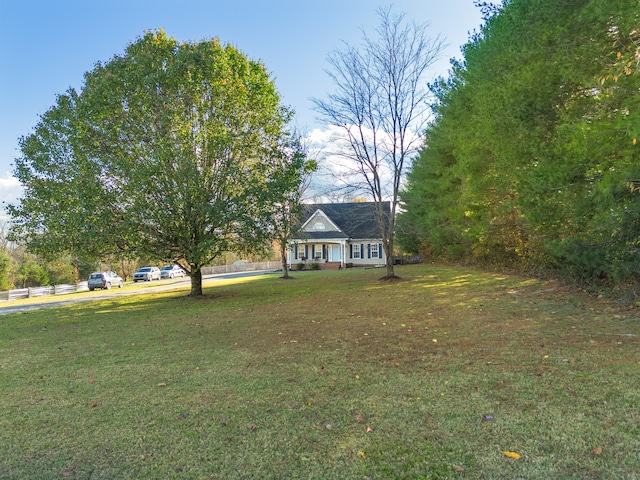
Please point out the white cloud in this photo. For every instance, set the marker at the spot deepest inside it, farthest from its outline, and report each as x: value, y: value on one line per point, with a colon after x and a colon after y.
x: 339, y: 176
x: 10, y: 191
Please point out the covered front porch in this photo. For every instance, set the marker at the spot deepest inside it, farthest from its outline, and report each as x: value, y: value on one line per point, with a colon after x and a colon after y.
x: 328, y: 255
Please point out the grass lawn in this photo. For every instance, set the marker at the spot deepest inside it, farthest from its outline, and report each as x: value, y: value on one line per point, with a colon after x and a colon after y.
x: 331, y: 375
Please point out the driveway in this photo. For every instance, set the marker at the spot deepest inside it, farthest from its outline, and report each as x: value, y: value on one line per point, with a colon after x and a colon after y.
x: 73, y: 298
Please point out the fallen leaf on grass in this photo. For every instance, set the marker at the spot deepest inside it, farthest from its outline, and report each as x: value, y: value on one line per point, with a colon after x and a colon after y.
x: 359, y: 417
x: 252, y: 426
x: 94, y: 405
x: 91, y: 380
x: 458, y: 469
x: 511, y: 454
x: 162, y: 384
x: 369, y: 429
x: 361, y: 454
x: 597, y: 451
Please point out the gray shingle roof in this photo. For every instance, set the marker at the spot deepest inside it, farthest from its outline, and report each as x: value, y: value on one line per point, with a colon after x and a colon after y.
x: 357, y: 220
x: 321, y: 235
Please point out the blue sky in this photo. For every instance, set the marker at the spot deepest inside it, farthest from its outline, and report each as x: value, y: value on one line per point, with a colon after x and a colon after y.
x: 47, y: 45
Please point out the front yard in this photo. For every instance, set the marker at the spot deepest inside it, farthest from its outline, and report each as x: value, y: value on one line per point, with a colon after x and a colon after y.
x: 449, y: 373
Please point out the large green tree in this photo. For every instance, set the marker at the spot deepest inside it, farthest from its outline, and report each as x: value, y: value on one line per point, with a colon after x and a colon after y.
x: 534, y: 142
x: 171, y: 151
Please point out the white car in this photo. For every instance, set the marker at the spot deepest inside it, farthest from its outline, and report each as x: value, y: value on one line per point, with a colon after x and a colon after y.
x: 170, y: 271
x: 146, y: 274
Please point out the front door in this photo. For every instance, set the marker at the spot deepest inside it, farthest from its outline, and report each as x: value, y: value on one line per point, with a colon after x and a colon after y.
x: 335, y: 253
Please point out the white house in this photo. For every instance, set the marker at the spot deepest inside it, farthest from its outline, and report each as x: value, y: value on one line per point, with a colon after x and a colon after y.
x: 337, y: 235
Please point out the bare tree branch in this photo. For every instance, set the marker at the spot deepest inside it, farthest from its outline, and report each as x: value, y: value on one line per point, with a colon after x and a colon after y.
x: 381, y: 105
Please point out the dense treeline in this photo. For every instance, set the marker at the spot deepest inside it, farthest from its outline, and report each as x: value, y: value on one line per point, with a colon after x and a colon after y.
x: 21, y: 269
x: 532, y: 160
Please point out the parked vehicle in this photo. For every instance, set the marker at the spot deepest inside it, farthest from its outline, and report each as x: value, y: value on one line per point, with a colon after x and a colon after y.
x: 104, y: 280
x: 171, y: 271
x: 146, y: 274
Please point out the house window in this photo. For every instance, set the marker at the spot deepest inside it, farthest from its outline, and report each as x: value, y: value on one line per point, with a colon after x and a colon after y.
x: 374, y: 250
x: 356, y: 251
x: 318, y: 226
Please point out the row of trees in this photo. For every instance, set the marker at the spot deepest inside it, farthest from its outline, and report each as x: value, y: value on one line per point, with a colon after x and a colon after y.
x: 173, y: 152
x: 532, y: 159
x: 20, y: 268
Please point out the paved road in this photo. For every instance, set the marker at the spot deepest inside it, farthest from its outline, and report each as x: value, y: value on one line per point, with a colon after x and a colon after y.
x: 57, y: 300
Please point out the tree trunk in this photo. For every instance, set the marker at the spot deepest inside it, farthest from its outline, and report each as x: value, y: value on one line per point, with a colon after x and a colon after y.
x: 387, y: 228
x: 285, y: 264
x: 196, y: 282
x: 388, y: 245
x: 390, y: 272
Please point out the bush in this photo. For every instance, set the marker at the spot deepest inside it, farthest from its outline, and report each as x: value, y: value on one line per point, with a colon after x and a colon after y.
x: 315, y: 266
x: 300, y: 266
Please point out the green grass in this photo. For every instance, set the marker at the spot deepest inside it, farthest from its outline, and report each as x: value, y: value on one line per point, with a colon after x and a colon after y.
x: 331, y: 375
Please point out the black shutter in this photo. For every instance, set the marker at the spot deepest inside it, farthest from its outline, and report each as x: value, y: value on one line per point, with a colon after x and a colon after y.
x: 369, y: 249
x: 362, y: 250
x: 379, y: 250
x: 351, y: 250
x: 295, y: 249
x: 313, y: 252
x: 306, y: 251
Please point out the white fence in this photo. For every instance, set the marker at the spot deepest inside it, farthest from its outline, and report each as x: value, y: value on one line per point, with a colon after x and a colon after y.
x: 42, y: 291
x: 82, y: 286
x: 241, y: 267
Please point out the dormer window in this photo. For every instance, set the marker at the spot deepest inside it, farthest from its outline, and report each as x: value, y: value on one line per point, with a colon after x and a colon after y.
x: 318, y: 226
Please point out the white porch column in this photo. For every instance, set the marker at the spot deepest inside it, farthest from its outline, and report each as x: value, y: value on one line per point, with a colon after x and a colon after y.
x: 289, y: 255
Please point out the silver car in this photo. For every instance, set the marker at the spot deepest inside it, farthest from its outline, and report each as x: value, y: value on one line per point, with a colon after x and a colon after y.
x: 170, y: 271
x: 104, y: 280
x: 146, y: 274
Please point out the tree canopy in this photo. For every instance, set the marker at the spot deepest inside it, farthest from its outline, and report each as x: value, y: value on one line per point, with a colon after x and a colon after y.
x: 172, y: 151
x: 531, y: 158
